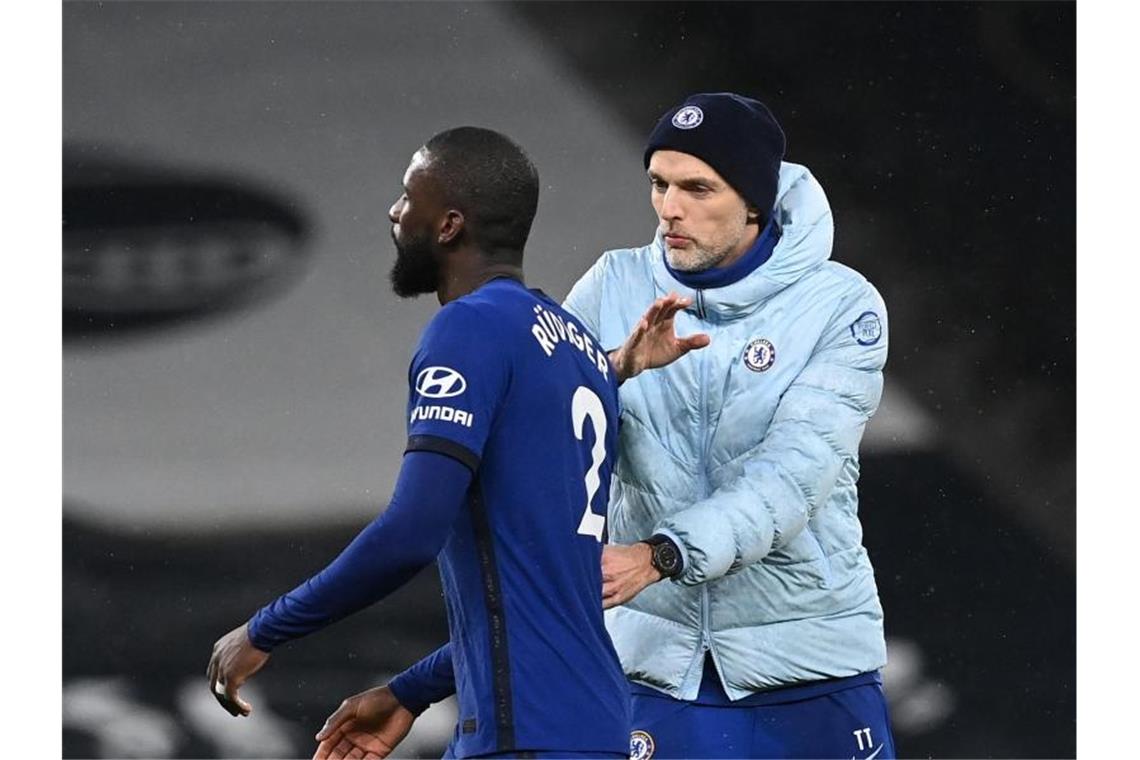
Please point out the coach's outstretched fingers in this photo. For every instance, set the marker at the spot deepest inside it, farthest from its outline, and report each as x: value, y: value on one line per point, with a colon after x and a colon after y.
x: 653, y: 341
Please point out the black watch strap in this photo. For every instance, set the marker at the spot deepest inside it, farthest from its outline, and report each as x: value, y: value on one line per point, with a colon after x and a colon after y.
x: 666, y: 555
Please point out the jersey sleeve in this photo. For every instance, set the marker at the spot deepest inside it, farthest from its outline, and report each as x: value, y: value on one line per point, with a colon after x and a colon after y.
x: 430, y: 491
x: 430, y: 680
x: 458, y: 378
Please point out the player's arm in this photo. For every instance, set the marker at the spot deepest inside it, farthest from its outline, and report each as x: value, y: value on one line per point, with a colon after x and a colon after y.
x: 816, y: 428
x: 430, y: 491
x: 430, y: 680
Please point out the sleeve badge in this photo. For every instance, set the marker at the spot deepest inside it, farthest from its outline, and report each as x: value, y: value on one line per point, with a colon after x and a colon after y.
x: 867, y: 329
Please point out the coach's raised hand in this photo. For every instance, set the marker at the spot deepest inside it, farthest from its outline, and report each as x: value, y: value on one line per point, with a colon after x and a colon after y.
x: 367, y: 725
x: 234, y: 660
x: 653, y: 342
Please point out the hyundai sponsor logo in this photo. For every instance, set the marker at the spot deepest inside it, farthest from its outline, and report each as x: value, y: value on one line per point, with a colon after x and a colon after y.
x: 440, y: 382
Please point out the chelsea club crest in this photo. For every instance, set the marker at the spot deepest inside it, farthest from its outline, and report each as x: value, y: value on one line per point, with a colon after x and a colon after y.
x: 688, y: 117
x: 640, y: 746
x: 759, y: 355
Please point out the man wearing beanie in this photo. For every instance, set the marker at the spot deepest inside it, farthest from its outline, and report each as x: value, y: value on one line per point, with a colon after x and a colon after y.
x: 740, y: 599
x: 742, y: 603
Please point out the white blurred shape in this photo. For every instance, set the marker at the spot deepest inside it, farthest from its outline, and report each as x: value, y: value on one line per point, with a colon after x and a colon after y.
x: 904, y: 666
x: 900, y: 423
x: 261, y: 734
x: 918, y: 704
x: 924, y: 709
x: 121, y: 726
x: 431, y: 732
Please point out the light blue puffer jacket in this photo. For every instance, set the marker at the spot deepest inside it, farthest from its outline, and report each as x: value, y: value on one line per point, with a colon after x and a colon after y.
x: 747, y: 453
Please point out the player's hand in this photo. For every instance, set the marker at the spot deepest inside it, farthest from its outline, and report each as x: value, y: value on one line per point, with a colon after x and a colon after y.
x: 367, y: 725
x: 234, y: 660
x: 653, y: 342
x: 626, y: 570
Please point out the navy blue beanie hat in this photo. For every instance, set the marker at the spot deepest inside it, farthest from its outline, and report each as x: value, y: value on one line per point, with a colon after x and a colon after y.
x: 737, y: 136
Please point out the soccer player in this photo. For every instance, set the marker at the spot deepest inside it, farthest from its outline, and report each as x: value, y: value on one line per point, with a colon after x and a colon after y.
x: 512, y: 430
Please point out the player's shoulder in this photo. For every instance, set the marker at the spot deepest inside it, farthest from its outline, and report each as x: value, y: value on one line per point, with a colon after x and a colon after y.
x: 507, y: 303
x: 496, y: 299
x: 487, y: 303
x: 487, y: 317
x: 453, y: 316
x: 462, y: 324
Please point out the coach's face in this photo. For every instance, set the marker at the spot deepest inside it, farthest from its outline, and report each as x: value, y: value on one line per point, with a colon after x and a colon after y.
x: 416, y: 217
x: 704, y: 221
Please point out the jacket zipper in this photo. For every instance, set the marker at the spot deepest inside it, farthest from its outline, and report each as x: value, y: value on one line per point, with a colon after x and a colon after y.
x: 706, y: 641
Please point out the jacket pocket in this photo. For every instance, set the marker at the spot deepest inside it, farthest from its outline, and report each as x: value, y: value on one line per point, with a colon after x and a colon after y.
x: 804, y: 553
x: 822, y: 558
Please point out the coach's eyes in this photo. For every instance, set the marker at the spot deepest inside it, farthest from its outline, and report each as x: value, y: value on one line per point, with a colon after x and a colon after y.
x: 658, y: 184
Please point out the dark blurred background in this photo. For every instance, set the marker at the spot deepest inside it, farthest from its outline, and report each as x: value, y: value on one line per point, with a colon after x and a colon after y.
x: 235, y: 364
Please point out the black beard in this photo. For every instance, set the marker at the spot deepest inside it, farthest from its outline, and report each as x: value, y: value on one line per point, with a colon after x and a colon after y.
x: 416, y: 270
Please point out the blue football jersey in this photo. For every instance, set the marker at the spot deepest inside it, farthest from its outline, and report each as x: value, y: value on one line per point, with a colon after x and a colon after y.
x: 509, y: 383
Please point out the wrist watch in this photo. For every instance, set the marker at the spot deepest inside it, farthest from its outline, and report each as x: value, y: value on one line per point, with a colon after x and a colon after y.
x: 666, y: 556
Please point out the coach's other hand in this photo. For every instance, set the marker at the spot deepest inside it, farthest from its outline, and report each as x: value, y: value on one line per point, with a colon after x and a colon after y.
x: 626, y: 570
x: 367, y: 725
x: 234, y: 661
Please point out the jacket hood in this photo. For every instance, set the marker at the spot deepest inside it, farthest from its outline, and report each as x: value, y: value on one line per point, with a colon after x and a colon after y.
x: 807, y: 233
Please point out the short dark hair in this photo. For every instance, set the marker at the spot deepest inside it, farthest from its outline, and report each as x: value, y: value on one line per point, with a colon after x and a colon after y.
x: 489, y: 178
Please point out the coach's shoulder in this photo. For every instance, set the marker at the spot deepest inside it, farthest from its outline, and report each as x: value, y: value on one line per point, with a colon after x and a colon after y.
x: 846, y: 284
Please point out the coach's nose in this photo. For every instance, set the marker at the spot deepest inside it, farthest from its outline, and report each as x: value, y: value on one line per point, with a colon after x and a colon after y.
x: 671, y: 205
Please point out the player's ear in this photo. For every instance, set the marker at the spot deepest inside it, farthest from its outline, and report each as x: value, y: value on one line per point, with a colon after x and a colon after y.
x: 451, y: 227
x: 753, y: 214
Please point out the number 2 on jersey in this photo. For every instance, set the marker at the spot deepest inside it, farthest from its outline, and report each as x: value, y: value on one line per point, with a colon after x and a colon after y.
x: 587, y: 406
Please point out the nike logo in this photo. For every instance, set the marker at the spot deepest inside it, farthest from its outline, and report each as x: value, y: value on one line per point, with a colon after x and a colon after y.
x: 872, y: 755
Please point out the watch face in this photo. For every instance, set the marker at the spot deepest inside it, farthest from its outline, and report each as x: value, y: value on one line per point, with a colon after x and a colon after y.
x: 666, y: 558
